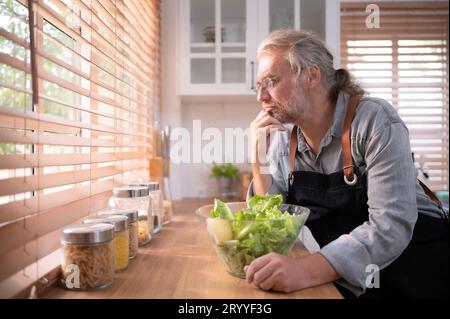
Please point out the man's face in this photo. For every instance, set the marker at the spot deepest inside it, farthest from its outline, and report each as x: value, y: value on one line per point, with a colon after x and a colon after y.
x: 279, y: 92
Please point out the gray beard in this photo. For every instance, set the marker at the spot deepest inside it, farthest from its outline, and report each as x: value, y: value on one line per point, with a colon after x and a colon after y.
x: 289, y: 118
x: 283, y: 117
x: 299, y: 108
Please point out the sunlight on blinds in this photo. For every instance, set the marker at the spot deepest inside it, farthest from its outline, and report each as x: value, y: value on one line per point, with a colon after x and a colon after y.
x: 405, y: 61
x: 97, y: 86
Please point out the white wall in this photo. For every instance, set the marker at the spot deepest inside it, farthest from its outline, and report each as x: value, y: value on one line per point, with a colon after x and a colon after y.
x: 170, y: 103
x: 195, y: 177
x: 192, y: 180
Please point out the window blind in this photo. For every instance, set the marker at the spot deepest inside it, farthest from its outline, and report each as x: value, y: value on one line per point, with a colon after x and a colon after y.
x: 77, y: 126
x: 405, y: 61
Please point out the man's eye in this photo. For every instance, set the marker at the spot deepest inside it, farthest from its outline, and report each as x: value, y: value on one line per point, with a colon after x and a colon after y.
x: 271, y: 83
x: 266, y: 84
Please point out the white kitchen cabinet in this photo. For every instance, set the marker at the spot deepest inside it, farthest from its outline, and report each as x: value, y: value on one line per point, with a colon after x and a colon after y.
x: 319, y: 16
x: 218, y: 39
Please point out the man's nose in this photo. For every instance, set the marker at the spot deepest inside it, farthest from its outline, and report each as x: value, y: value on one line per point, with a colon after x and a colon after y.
x: 263, y: 95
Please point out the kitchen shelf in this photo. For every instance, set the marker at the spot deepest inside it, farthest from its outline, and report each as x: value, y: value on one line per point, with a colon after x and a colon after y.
x: 224, y: 45
x: 202, y: 45
x: 233, y: 45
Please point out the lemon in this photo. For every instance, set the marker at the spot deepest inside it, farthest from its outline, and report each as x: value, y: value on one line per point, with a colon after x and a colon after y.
x: 219, y: 229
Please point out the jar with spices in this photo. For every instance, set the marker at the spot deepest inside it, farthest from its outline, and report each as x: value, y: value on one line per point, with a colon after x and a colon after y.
x: 132, y: 215
x: 156, y: 203
x: 88, y: 256
x: 167, y: 211
x: 134, y: 197
x: 121, y: 237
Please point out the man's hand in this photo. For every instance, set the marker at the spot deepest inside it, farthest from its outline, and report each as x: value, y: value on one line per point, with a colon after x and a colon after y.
x: 261, y: 126
x: 281, y: 273
x: 260, y: 129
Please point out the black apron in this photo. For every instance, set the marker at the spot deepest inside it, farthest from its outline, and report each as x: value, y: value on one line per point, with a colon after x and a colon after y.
x: 338, y: 204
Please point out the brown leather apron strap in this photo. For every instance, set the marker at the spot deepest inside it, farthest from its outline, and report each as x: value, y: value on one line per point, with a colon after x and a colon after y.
x: 434, y: 198
x: 430, y: 194
x: 293, y: 148
x: 347, y: 159
x: 292, y: 151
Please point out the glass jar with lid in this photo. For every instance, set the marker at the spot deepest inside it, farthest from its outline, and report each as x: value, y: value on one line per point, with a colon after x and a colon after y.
x: 88, y: 256
x: 121, y: 237
x: 156, y: 203
x: 132, y: 215
x: 136, y: 197
x: 167, y: 211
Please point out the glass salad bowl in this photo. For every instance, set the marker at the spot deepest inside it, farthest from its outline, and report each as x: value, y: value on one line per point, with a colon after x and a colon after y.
x: 241, y: 233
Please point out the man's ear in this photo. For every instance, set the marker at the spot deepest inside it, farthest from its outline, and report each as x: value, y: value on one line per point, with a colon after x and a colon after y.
x: 313, y: 76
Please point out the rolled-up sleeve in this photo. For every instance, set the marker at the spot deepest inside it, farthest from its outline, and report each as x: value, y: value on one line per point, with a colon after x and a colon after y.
x: 392, y: 209
x: 276, y: 169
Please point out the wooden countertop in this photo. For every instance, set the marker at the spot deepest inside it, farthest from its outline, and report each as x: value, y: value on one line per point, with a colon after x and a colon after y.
x: 180, y: 262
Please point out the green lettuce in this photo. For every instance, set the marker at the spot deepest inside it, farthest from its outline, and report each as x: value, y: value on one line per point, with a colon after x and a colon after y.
x: 265, y: 203
x: 257, y: 230
x: 221, y: 210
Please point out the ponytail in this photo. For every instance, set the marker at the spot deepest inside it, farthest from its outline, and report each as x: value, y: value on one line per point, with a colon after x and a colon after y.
x: 343, y: 82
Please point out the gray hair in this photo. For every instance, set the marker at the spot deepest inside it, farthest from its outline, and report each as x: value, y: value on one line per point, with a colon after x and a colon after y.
x: 303, y: 49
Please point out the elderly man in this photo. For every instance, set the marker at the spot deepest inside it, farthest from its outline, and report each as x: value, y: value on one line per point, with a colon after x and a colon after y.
x: 347, y: 157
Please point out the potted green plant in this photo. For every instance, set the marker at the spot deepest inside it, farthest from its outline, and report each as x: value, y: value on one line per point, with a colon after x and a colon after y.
x: 225, y: 175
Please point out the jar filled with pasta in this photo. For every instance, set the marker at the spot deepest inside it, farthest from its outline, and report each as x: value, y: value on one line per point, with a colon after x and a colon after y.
x: 121, y: 237
x: 156, y: 203
x: 133, y: 233
x: 88, y: 256
x: 136, y: 197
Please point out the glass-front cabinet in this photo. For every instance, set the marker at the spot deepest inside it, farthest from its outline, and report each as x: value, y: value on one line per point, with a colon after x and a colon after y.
x: 218, y: 39
x: 318, y: 16
x: 298, y: 14
x: 216, y: 51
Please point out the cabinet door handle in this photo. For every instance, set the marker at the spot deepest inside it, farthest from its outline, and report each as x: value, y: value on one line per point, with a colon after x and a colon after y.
x: 252, y: 63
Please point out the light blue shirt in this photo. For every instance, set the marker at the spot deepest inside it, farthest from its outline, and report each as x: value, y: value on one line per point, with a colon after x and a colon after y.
x: 380, y: 148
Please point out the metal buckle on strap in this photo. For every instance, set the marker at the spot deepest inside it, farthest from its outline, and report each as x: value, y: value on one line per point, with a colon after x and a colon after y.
x: 351, y: 182
x: 291, y: 178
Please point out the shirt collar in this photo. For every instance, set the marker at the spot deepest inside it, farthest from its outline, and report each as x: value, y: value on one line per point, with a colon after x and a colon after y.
x: 339, y: 114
